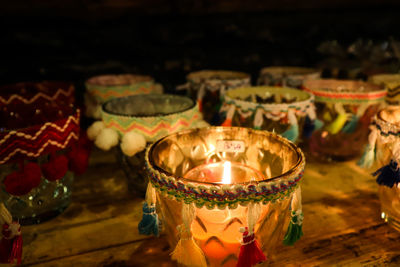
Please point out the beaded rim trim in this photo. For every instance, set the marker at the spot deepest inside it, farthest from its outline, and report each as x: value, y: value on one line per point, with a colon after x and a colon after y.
x: 325, y: 95
x: 237, y: 79
x: 225, y: 196
x: 385, y: 128
x: 245, y: 106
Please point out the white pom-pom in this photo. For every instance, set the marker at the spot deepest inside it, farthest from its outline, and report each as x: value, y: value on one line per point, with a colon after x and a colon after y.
x: 107, y: 139
x: 132, y: 143
x: 94, y: 130
x: 200, y: 124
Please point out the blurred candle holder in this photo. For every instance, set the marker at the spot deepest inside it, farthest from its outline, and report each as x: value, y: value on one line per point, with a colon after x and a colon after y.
x: 384, y: 140
x: 346, y: 109
x: 391, y: 82
x: 39, y: 149
x: 207, y: 87
x: 286, y: 111
x: 287, y: 76
x: 100, y: 89
x: 134, y: 121
x: 209, y: 183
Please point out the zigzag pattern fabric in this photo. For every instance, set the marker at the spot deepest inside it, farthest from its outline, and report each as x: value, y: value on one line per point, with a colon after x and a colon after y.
x: 38, y: 140
x: 152, y: 128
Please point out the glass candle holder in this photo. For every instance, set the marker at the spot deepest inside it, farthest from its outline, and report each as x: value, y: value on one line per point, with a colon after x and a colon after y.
x: 287, y: 76
x: 391, y: 82
x: 213, y: 181
x: 207, y: 87
x: 385, y: 139
x: 39, y: 149
x: 346, y: 109
x: 101, y: 88
x: 142, y: 119
x: 282, y: 110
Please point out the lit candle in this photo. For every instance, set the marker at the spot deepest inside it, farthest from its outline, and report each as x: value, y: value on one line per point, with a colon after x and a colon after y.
x: 217, y: 231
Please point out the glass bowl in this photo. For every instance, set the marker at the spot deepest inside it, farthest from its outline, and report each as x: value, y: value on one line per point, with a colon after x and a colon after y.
x: 346, y: 109
x: 282, y: 110
x: 152, y: 116
x: 207, y: 87
x: 39, y: 149
x: 265, y: 172
x: 287, y: 76
x: 101, y: 88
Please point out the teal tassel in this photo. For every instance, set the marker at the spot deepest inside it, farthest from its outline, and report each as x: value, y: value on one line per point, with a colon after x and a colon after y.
x: 257, y: 127
x: 292, y: 133
x: 318, y: 124
x: 351, y: 125
x: 295, y: 229
x: 149, y: 224
x: 367, y: 158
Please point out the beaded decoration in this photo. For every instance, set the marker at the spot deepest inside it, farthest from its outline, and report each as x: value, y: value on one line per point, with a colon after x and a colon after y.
x: 236, y: 101
x: 287, y: 76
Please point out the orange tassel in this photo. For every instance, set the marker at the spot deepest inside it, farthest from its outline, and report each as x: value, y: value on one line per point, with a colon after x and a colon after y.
x: 227, y: 123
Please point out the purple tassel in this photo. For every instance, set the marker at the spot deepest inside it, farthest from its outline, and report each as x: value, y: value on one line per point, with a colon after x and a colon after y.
x: 388, y: 175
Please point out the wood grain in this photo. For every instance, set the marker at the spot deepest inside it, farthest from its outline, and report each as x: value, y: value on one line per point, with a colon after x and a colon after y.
x: 342, y: 224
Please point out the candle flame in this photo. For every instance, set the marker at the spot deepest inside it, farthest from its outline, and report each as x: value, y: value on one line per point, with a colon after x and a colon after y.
x: 226, y: 178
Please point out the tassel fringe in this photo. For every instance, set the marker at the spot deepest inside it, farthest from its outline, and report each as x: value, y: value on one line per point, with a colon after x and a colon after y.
x: 388, y: 175
x: 295, y: 229
x: 11, y: 242
x: 368, y: 156
x: 250, y: 252
x: 187, y: 252
x: 150, y: 224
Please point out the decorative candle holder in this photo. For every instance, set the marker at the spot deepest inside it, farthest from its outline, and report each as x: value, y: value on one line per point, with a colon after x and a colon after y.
x: 39, y: 149
x: 225, y: 194
x: 99, y: 89
x: 287, y: 76
x: 383, y: 151
x: 207, y: 87
x: 346, y: 109
x: 138, y: 120
x: 282, y: 110
x: 391, y: 82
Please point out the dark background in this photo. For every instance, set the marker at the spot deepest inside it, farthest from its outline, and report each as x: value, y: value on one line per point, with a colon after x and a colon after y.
x: 75, y: 39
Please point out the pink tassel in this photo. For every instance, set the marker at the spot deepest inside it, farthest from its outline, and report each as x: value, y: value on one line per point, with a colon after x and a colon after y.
x: 11, y: 243
x: 250, y: 252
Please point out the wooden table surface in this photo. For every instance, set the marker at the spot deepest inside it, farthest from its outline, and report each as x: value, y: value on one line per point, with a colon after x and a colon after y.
x: 342, y: 224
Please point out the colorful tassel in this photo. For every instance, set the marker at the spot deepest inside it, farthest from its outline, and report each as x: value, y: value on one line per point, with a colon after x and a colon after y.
x: 11, y: 242
x: 351, y: 125
x: 229, y: 116
x: 337, y: 125
x: 250, y: 252
x: 200, y: 95
x: 295, y: 229
x: 187, y: 252
x: 368, y: 157
x: 149, y: 225
x: 293, y: 132
x: 258, y: 119
x: 388, y: 175
x: 311, y: 126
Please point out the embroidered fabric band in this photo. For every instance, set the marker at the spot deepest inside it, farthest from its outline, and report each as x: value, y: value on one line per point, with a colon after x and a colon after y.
x: 38, y: 140
x: 106, y: 87
x: 346, y: 92
x: 153, y: 127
